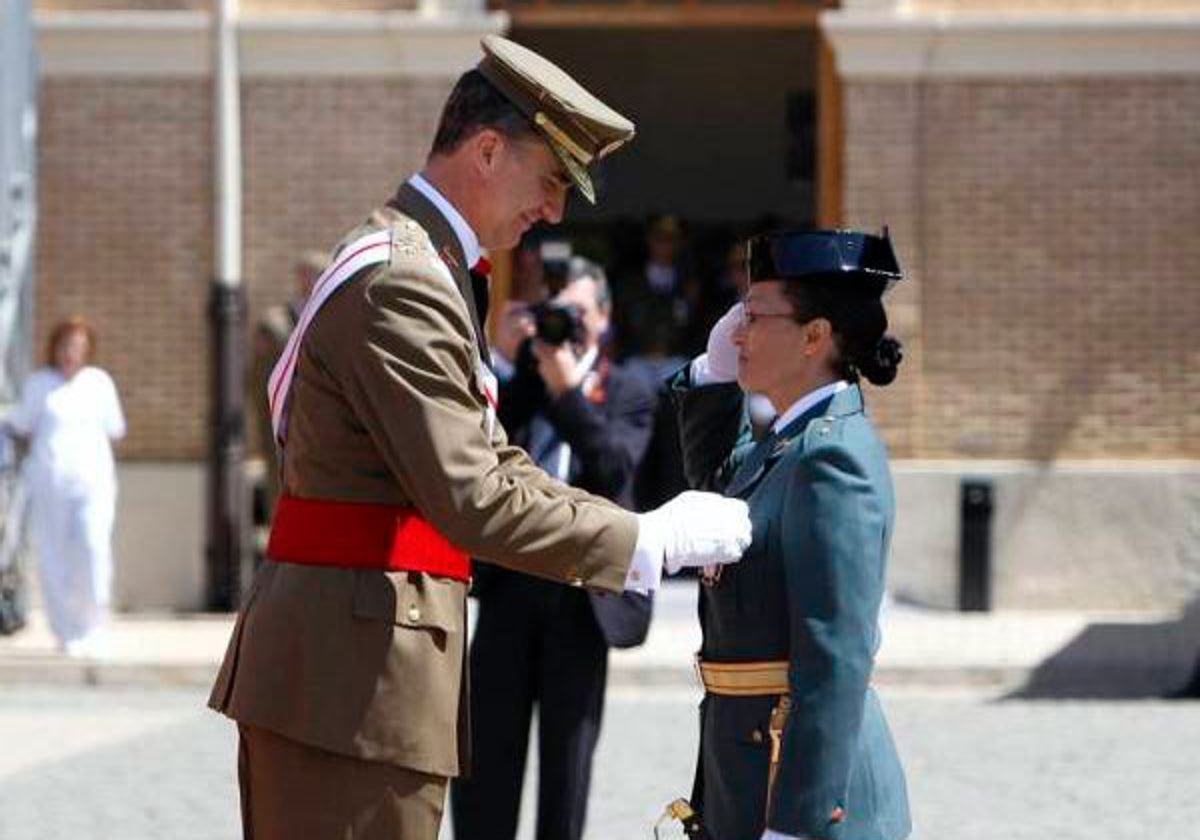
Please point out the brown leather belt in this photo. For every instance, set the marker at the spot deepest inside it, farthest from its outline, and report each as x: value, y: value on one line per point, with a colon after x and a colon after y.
x: 744, y: 679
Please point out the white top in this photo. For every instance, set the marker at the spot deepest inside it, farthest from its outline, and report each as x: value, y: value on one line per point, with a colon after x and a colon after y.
x: 70, y: 423
x: 466, y: 236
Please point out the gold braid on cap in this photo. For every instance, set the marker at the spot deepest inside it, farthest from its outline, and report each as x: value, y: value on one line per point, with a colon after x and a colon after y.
x: 612, y: 147
x: 561, y: 138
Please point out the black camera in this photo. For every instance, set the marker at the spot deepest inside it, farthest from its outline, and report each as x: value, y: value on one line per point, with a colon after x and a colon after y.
x: 557, y: 323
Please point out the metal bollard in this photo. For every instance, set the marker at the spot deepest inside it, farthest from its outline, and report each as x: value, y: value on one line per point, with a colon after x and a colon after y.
x: 975, y: 546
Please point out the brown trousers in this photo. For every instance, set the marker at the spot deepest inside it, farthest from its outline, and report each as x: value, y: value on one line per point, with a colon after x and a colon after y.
x: 291, y: 791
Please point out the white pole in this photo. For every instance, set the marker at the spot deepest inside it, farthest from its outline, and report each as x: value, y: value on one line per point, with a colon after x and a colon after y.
x: 228, y: 174
x: 226, y: 492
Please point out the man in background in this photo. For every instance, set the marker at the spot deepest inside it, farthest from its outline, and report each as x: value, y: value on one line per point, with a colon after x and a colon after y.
x: 270, y: 335
x: 586, y: 421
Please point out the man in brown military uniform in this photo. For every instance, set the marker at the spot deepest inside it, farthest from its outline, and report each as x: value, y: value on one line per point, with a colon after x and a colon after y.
x: 345, y: 668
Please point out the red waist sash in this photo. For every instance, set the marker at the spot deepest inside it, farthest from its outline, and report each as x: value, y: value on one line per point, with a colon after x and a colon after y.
x: 362, y: 535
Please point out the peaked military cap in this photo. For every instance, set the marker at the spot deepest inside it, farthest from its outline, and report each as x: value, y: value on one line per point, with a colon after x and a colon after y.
x: 863, y: 259
x: 579, y: 128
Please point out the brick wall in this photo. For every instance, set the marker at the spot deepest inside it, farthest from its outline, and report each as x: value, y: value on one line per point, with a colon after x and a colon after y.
x: 880, y: 189
x: 319, y: 155
x: 1049, y: 226
x: 126, y: 230
x: 125, y: 239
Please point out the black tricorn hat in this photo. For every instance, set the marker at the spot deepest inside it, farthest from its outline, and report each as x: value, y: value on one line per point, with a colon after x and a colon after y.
x: 825, y: 254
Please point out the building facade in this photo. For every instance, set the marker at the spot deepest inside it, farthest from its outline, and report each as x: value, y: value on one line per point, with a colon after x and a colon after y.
x: 1038, y: 164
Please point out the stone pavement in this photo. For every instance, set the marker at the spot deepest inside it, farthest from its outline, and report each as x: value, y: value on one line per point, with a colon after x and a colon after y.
x: 1037, y: 653
x: 146, y: 763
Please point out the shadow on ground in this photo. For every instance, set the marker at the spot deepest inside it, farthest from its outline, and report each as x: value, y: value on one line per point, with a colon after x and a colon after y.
x: 1120, y: 660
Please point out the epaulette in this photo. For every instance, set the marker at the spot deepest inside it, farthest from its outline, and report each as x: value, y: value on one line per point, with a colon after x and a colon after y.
x: 823, y: 430
x: 410, y: 241
x: 413, y: 250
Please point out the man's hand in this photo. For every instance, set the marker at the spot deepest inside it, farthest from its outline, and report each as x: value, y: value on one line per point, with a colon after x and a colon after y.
x: 698, y: 529
x: 722, y: 354
x: 514, y: 325
x: 557, y: 366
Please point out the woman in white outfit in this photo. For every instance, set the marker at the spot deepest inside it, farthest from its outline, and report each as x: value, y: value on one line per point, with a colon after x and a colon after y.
x: 69, y: 413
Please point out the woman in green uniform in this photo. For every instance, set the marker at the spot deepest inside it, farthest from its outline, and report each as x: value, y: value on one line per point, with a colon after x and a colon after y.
x: 794, y: 743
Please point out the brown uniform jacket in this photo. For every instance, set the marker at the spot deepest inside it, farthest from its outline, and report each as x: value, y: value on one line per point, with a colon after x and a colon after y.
x: 387, y: 406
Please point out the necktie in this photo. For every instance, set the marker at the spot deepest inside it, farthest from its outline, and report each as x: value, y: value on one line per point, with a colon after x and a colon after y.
x: 479, y: 287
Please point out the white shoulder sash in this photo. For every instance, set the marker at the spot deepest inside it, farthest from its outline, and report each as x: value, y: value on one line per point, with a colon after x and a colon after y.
x: 366, y: 251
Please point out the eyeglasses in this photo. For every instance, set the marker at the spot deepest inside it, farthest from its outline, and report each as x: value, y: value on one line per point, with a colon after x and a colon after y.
x: 749, y: 318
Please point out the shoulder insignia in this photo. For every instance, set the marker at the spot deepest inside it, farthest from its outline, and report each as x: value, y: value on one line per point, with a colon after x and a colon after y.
x: 409, y: 240
x: 823, y: 430
x: 411, y: 243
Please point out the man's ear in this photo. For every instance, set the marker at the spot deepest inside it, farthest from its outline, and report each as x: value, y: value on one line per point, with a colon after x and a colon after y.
x: 488, y: 145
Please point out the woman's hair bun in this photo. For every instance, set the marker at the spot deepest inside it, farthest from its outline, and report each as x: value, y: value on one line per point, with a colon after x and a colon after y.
x: 880, y: 367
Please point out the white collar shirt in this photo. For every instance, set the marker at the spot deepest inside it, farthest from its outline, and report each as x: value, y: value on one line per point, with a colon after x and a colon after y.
x: 806, y: 402
x: 466, y: 237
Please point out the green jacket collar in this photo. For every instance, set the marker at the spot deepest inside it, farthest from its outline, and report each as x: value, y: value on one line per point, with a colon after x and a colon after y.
x: 842, y: 404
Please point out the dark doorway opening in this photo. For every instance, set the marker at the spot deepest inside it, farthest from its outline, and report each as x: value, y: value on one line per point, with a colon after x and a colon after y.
x: 726, y: 138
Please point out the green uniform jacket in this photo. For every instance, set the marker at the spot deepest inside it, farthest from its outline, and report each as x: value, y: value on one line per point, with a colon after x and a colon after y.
x: 387, y: 406
x: 808, y: 591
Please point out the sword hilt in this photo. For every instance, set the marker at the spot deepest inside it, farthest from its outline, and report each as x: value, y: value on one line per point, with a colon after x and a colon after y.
x: 682, y: 811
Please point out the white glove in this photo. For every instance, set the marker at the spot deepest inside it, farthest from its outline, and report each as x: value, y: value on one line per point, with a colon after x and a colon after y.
x: 722, y: 354
x: 697, y: 529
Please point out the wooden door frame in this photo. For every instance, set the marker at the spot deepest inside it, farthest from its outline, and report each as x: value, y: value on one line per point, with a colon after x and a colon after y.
x: 830, y: 138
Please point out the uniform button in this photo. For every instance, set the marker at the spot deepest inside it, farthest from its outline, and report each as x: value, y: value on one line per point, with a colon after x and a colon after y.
x: 576, y: 582
x: 414, y: 614
x: 756, y: 736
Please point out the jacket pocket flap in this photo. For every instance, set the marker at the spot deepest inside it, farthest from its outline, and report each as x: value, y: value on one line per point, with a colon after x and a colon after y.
x: 410, y: 599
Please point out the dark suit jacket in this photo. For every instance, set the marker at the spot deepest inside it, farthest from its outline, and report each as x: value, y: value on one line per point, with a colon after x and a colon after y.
x: 608, y: 437
x: 808, y: 591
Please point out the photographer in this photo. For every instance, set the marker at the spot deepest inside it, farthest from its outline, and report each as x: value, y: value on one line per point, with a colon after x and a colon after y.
x: 538, y: 643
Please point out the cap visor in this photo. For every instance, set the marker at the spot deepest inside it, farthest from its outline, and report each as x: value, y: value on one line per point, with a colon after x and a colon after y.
x: 577, y: 172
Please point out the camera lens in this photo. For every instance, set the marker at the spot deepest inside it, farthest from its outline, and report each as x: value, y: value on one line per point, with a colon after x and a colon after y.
x: 557, y: 323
